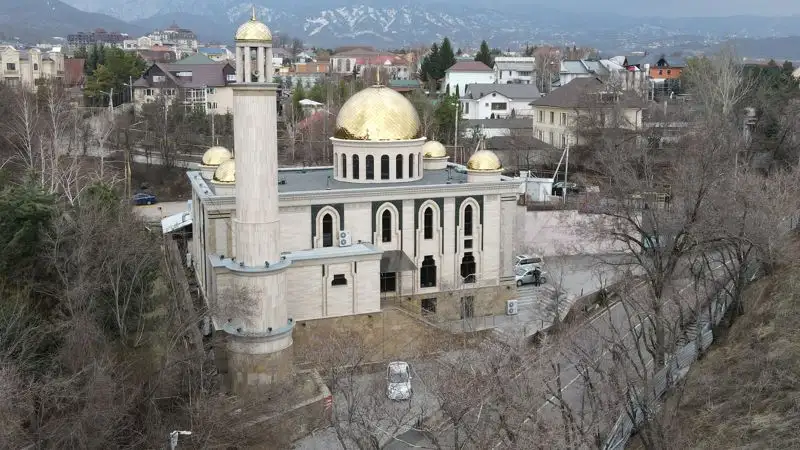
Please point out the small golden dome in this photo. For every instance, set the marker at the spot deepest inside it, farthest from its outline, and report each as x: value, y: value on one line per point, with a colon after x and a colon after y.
x: 216, y: 155
x: 434, y: 149
x: 377, y: 113
x: 484, y: 161
x: 226, y: 172
x: 253, y: 31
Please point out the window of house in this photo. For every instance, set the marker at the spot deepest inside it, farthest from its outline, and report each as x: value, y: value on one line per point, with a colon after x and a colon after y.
x: 428, y: 223
x: 552, y: 117
x: 669, y: 71
x: 388, y: 281
x: 158, y: 78
x: 541, y: 116
x: 563, y: 118
x: 411, y: 166
x: 347, y: 65
x: 428, y: 306
x: 661, y: 72
x: 339, y: 280
x: 356, y: 171
x: 370, y: 167
x: 552, y: 138
x: 148, y: 92
x: 427, y: 273
x: 419, y: 166
x: 498, y: 106
x: 385, y: 167
x: 398, y: 167
x: 467, y: 307
x: 563, y: 140
x: 327, y: 230
x: 468, y: 220
x: 466, y: 107
x: 344, y: 165
x: 211, y: 91
x: 169, y: 91
x: 467, y: 243
x: 386, y: 226
x: 35, y: 66
x: 468, y: 268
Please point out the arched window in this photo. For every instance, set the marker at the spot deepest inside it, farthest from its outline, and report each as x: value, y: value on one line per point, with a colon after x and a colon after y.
x: 386, y: 226
x: 370, y: 167
x: 398, y: 167
x: 468, y: 220
x: 344, y: 165
x: 411, y: 166
x: 468, y: 268
x: 356, y: 170
x: 385, y: 167
x: 427, y: 272
x: 419, y: 166
x: 428, y: 223
x: 327, y: 230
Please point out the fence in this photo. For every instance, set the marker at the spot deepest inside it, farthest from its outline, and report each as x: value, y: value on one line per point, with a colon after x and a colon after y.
x: 697, y: 338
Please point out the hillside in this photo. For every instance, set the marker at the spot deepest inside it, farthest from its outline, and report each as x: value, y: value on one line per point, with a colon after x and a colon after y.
x: 34, y: 20
x: 746, y: 392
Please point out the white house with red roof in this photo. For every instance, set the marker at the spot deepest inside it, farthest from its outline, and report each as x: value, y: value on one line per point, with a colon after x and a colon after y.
x: 358, y: 59
x: 463, y: 73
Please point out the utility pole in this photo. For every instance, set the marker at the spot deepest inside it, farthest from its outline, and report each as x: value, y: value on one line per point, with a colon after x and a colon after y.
x: 455, y: 135
x: 566, y: 171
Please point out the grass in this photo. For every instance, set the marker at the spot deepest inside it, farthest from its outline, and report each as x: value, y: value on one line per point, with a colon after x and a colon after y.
x: 746, y: 392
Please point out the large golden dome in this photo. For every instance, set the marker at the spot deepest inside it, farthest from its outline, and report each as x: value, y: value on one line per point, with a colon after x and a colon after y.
x: 226, y: 172
x: 377, y: 113
x: 216, y: 155
x: 253, y: 31
x: 484, y: 161
x: 433, y: 149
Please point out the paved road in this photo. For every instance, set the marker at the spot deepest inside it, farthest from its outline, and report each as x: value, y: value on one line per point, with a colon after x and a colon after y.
x: 154, y: 213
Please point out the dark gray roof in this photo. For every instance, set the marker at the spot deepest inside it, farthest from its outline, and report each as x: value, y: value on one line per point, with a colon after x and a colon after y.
x: 500, y: 143
x: 511, y: 124
x: 203, y: 75
x: 575, y: 95
x: 635, y: 60
x: 512, y: 91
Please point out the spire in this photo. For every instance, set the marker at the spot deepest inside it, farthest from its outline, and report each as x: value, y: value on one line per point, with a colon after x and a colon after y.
x: 378, y: 75
x: 253, y: 17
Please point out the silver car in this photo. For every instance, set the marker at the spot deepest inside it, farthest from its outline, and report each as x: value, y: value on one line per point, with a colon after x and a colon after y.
x: 525, y: 275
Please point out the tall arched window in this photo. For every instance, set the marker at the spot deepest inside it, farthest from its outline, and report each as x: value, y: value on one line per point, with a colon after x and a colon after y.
x: 468, y: 220
x: 386, y: 226
x: 344, y: 165
x: 385, y: 167
x: 327, y: 230
x: 356, y: 169
x: 468, y: 268
x: 427, y: 272
x: 370, y: 167
x: 398, y: 167
x: 411, y: 165
x: 419, y: 166
x: 428, y: 223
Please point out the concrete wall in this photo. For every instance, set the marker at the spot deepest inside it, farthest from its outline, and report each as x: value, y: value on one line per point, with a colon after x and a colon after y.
x: 565, y: 233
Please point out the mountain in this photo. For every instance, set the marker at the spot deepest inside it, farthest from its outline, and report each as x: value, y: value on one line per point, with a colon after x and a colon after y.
x: 34, y: 20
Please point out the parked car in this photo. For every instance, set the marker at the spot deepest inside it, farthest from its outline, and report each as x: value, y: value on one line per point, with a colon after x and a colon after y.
x: 572, y: 188
x: 398, y: 380
x: 529, y: 276
x: 528, y: 261
x: 143, y: 198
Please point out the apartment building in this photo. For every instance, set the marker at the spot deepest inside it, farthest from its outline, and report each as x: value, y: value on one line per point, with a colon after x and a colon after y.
x: 199, y: 86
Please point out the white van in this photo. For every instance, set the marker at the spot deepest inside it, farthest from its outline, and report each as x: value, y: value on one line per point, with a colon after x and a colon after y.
x: 529, y: 262
x: 398, y: 381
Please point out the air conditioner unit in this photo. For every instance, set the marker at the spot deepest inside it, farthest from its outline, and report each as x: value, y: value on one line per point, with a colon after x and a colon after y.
x: 512, y: 308
x: 345, y: 239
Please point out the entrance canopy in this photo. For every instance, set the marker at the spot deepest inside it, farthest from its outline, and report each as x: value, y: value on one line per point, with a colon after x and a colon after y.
x: 396, y: 261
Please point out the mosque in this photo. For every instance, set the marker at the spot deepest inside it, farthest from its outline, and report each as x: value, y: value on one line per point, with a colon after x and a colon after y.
x: 392, y: 219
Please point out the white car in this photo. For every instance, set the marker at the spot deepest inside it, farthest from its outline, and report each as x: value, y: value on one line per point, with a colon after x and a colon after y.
x: 529, y: 262
x: 398, y: 379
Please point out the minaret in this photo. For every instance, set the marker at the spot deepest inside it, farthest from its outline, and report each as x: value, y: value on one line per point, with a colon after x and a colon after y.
x: 260, y: 341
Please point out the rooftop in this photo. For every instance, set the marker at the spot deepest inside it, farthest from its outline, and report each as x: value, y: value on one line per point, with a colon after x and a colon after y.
x: 512, y: 91
x: 357, y: 249
x: 512, y: 124
x: 576, y: 94
x: 470, y: 66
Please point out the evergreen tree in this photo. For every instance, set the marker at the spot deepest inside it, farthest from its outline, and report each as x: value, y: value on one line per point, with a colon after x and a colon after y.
x: 446, y: 56
x: 298, y: 94
x: 429, y: 69
x: 484, y: 54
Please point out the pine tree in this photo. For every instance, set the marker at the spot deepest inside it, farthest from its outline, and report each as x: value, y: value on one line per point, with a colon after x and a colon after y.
x: 446, y: 57
x: 429, y: 70
x: 484, y: 54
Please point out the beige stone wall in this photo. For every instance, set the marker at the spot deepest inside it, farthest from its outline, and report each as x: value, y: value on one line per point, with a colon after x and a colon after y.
x: 251, y: 373
x: 488, y: 301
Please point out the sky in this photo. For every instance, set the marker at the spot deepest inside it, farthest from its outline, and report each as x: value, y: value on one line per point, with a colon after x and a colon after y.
x: 683, y: 8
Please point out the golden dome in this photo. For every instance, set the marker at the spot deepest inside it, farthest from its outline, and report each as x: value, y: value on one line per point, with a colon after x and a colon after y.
x: 253, y: 31
x: 484, y: 161
x: 377, y: 113
x: 216, y: 155
x: 434, y: 149
x: 226, y: 172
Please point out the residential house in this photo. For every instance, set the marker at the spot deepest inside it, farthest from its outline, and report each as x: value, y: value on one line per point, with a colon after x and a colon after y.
x: 217, y: 54
x: 98, y: 36
x: 556, y: 115
x: 27, y: 67
x: 356, y: 60
x: 514, y: 69
x: 204, y: 86
x: 157, y: 54
x: 311, y: 67
x: 636, y: 60
x: 405, y: 87
x: 74, y: 75
x: 490, y: 128
x: 462, y: 73
x: 612, y: 70
x: 521, y: 151
x: 280, y: 57
x: 667, y: 68
x: 183, y: 41
x: 495, y: 101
